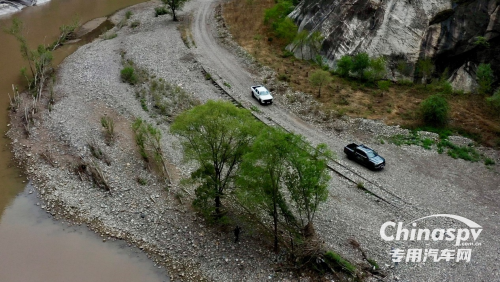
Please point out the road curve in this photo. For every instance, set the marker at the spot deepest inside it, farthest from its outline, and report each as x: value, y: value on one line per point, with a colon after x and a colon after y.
x: 425, y: 182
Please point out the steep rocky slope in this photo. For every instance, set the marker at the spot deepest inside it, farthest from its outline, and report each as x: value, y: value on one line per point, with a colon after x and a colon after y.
x: 443, y: 30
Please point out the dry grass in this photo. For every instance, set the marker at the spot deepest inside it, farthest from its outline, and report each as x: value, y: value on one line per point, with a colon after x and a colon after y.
x: 185, y: 30
x: 399, y: 105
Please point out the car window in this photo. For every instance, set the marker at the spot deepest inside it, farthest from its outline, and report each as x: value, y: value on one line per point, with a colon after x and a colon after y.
x: 263, y: 92
x: 361, y: 153
x: 370, y: 154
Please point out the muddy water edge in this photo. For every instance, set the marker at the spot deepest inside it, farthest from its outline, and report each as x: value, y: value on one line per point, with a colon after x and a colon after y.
x: 41, y: 27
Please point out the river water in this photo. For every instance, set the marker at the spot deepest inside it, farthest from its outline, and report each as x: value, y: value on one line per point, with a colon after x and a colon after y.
x: 34, y: 247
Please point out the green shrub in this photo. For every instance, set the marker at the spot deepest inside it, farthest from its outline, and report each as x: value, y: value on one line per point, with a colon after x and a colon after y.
x: 337, y: 261
x: 361, y: 61
x: 405, y: 82
x: 286, y: 29
x: 344, y: 65
x: 284, y: 77
x: 489, y: 161
x: 377, y: 69
x: 135, y: 24
x: 159, y: 11
x: 128, y: 75
x: 287, y: 54
x: 494, y: 100
x: 128, y: 14
x: 484, y: 76
x: 384, y: 85
x: 435, y: 110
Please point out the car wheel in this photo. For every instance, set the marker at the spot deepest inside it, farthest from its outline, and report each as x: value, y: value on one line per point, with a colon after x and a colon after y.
x: 260, y: 101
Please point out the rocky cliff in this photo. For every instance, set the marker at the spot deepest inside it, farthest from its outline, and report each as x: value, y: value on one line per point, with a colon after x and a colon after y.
x: 444, y: 30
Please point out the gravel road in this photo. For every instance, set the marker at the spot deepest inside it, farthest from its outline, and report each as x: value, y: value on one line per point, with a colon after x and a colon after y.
x: 417, y: 182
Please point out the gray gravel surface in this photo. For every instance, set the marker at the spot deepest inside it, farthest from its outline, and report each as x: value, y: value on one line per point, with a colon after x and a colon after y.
x: 416, y: 182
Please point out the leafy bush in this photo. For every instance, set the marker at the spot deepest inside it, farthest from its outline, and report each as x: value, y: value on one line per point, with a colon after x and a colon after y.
x: 384, y: 85
x: 494, y: 100
x: 286, y: 29
x: 282, y: 26
x: 489, y: 161
x: 278, y: 12
x: 404, y: 68
x: 484, y: 76
x: 135, y: 24
x: 376, y: 69
x: 287, y: 54
x: 435, y: 110
x: 361, y: 61
x: 128, y: 75
x: 159, y: 11
x: 284, y: 77
x: 344, y: 65
x: 128, y: 14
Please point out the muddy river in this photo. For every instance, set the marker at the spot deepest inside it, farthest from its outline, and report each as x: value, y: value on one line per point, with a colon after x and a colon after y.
x: 34, y: 247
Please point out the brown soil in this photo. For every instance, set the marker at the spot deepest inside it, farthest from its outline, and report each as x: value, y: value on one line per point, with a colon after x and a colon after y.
x: 470, y: 114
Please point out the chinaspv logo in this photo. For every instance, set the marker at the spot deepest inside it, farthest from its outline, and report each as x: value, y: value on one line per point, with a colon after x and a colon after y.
x: 451, y: 243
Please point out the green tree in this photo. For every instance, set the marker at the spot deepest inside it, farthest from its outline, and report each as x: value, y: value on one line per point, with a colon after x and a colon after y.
x: 174, y: 5
x: 484, y: 77
x: 16, y: 30
x: 278, y: 161
x: 262, y: 172
x: 404, y: 68
x: 315, y: 42
x: 425, y: 68
x: 384, y: 85
x: 360, y: 62
x: 286, y: 29
x: 376, y: 70
x: 216, y: 135
x: 300, y: 41
x: 319, y: 78
x: 307, y: 181
x: 278, y: 12
x: 344, y: 65
x: 435, y: 110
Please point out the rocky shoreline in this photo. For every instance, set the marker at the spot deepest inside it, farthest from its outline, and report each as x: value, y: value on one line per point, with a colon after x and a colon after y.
x: 154, y: 217
x: 150, y: 214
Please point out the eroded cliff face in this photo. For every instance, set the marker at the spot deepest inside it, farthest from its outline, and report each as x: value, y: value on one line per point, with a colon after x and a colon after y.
x: 443, y: 30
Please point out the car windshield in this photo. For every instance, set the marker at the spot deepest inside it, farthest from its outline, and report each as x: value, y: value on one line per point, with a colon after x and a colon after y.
x: 370, y: 154
x: 263, y: 92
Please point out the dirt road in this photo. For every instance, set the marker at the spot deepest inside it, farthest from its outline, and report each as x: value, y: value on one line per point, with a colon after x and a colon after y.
x: 427, y: 182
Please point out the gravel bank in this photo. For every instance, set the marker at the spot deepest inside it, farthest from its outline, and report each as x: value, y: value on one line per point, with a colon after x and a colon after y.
x: 157, y: 217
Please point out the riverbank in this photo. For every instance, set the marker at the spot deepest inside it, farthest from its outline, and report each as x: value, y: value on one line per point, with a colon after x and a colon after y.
x: 142, y: 210
x: 148, y: 215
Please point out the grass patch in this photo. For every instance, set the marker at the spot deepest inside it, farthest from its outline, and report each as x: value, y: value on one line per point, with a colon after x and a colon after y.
x: 135, y: 24
x: 337, y: 262
x: 128, y: 14
x: 373, y: 263
x: 108, y: 36
x: 128, y: 75
x: 254, y: 108
x: 142, y: 181
x: 488, y: 161
x: 185, y: 31
x: 109, y: 126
